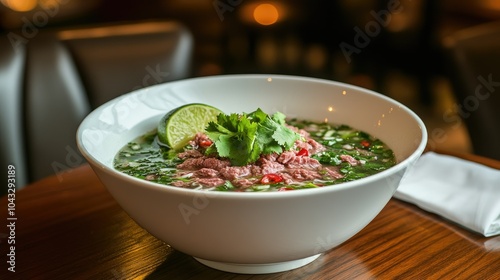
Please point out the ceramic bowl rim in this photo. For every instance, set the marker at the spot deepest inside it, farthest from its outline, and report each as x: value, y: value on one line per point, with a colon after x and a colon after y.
x: 405, y: 163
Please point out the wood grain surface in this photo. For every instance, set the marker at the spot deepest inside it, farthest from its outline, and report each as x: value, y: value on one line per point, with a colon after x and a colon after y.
x: 69, y: 227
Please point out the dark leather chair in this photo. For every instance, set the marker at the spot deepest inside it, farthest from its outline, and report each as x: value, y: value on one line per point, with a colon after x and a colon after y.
x: 473, y: 57
x: 49, y: 83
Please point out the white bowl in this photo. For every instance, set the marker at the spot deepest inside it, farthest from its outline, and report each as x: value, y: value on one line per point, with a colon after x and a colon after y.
x: 253, y: 232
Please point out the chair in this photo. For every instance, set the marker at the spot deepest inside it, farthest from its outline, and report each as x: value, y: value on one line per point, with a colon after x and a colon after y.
x: 50, y: 82
x: 473, y: 57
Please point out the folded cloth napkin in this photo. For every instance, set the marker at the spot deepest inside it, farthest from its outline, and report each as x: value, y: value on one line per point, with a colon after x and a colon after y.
x: 461, y: 191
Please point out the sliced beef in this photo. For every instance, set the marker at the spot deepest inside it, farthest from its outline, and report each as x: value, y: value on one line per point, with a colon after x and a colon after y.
x: 190, y: 154
x: 204, y: 162
x: 292, y: 166
x: 210, y: 182
x: 303, y: 174
x: 234, y: 172
x: 349, y: 159
x: 207, y: 172
x: 333, y: 172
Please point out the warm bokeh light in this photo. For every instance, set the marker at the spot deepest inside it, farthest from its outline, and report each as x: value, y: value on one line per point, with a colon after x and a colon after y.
x: 489, y: 5
x: 20, y: 5
x: 47, y: 4
x: 266, y: 14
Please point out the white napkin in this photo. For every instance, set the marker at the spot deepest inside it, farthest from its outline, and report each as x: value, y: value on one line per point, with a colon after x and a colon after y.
x: 461, y: 191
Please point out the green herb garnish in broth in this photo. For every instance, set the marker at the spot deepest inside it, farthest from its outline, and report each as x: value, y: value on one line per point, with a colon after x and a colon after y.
x: 356, y: 153
x: 243, y: 138
x: 257, y: 153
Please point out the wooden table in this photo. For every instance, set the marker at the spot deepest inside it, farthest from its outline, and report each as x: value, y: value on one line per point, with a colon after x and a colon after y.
x: 69, y: 227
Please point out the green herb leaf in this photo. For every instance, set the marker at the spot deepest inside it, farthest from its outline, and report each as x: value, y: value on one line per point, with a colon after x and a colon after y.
x: 243, y: 138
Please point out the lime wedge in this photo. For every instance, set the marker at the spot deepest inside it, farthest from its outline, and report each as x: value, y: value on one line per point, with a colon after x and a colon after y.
x: 181, y: 124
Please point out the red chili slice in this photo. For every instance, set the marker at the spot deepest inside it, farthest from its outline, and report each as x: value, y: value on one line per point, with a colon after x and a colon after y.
x: 303, y: 152
x: 365, y: 143
x: 205, y: 143
x: 271, y: 178
x: 282, y: 189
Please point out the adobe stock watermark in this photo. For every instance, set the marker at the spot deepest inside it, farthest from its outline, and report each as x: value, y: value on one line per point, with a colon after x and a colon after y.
x: 155, y: 76
x: 307, y: 271
x: 464, y: 109
x: 11, y: 218
x: 95, y: 137
x: 460, y: 111
x: 118, y: 274
x: 200, y: 201
x: 39, y: 19
x: 362, y: 38
x: 72, y: 160
x: 221, y: 7
x: 121, y: 110
x: 324, y: 244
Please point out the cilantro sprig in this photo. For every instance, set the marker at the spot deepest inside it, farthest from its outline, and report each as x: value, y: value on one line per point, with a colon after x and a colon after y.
x: 243, y: 138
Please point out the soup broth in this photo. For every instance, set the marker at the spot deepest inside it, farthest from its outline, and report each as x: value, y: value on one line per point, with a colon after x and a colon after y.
x: 330, y: 155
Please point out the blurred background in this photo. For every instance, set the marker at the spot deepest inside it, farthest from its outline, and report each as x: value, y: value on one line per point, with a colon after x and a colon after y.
x: 393, y: 47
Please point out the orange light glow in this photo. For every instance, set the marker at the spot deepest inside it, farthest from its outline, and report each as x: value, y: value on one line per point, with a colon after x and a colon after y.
x: 490, y: 4
x: 266, y: 14
x: 20, y: 5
